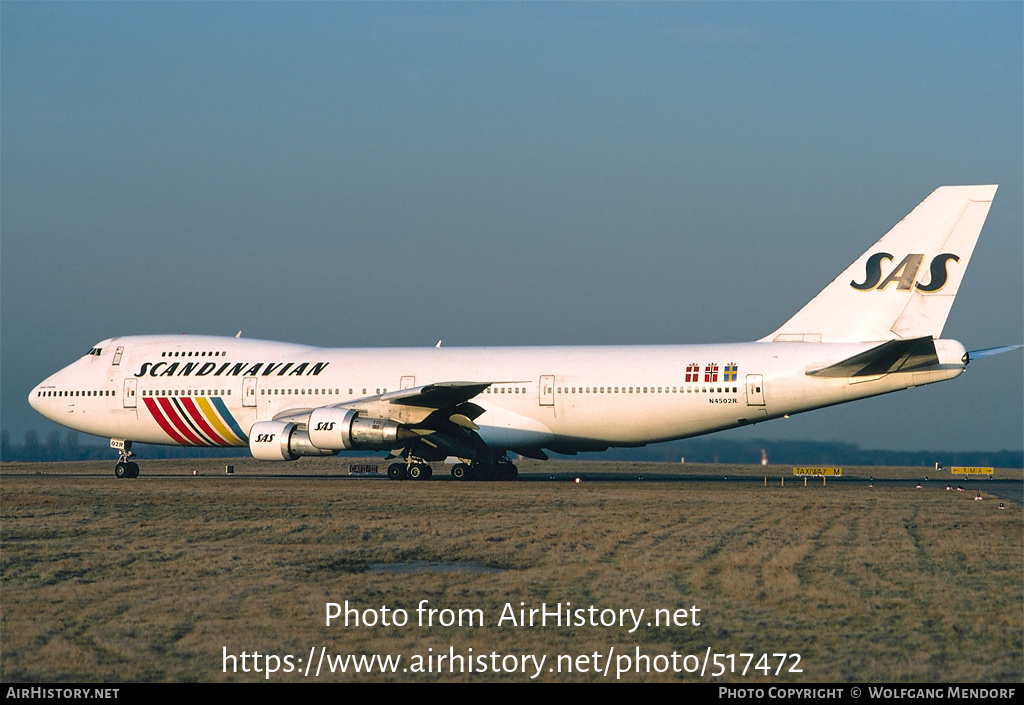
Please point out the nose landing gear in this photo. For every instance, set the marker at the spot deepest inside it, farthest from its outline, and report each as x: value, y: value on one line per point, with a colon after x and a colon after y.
x: 129, y: 470
x: 125, y: 467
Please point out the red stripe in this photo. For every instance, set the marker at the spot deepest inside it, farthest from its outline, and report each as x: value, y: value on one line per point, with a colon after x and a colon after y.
x: 184, y: 417
x: 198, y: 417
x: 154, y: 410
x: 182, y: 427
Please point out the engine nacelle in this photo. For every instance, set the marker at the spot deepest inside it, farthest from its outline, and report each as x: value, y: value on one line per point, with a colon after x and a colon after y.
x: 280, y: 440
x: 338, y: 428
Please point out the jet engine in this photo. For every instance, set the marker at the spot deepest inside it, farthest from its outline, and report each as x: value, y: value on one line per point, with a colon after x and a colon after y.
x: 280, y: 440
x: 338, y: 428
x: 330, y: 429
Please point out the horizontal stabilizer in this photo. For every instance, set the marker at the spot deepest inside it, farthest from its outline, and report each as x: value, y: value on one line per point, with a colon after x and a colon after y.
x: 891, y: 356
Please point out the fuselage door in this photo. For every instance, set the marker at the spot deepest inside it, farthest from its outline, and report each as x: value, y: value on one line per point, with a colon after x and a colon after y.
x: 755, y: 390
x: 131, y: 387
x: 249, y: 391
x: 117, y: 355
x: 547, y: 390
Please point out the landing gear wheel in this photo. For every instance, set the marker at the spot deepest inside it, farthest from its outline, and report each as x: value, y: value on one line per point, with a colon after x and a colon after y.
x: 504, y: 470
x: 125, y: 467
x: 498, y: 470
x: 459, y: 471
x: 419, y: 471
x: 396, y: 471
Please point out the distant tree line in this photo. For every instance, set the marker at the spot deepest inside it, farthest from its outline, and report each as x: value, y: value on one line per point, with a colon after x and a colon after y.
x: 68, y: 446
x: 807, y: 453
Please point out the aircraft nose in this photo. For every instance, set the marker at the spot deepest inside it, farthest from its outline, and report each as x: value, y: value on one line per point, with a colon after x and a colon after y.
x: 33, y: 398
x: 37, y: 398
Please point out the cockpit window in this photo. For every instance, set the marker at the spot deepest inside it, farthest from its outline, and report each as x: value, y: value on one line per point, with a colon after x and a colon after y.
x: 96, y: 351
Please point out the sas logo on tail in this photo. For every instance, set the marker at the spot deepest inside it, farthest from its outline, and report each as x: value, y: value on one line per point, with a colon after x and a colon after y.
x: 905, y: 273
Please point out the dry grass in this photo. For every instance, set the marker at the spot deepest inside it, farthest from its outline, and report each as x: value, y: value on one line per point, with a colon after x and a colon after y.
x: 148, y: 580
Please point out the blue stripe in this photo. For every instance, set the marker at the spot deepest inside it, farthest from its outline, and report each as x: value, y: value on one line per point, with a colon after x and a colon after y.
x: 228, y: 418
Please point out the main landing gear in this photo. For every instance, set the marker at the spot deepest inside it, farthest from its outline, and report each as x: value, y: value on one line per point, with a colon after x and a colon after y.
x: 494, y: 469
x: 501, y: 469
x: 125, y: 467
x: 414, y: 470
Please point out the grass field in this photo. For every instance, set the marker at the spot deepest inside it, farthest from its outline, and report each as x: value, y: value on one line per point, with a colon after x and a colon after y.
x: 152, y: 579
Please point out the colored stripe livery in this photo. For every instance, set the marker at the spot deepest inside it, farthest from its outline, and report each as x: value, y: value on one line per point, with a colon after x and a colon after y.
x: 196, y: 421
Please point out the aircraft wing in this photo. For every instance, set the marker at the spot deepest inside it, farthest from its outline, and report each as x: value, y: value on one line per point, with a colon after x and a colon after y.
x: 428, y: 398
x: 441, y: 411
x: 436, y: 396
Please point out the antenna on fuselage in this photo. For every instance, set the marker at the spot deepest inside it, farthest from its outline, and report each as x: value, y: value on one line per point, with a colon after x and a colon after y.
x: 238, y: 334
x: 438, y: 344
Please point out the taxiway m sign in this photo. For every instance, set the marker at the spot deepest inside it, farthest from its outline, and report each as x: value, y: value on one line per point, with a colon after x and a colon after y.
x: 972, y: 471
x: 818, y: 472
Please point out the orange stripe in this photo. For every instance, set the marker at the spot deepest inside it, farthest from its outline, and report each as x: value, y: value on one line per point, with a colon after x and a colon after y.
x: 197, y: 416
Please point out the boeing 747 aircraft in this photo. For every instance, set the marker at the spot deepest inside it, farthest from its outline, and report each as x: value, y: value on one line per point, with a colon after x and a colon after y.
x: 874, y: 329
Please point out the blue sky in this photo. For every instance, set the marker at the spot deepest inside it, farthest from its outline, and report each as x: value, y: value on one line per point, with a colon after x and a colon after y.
x: 351, y: 174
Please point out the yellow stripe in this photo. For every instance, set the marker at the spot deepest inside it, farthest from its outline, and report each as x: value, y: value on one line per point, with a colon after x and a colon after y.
x: 214, y: 419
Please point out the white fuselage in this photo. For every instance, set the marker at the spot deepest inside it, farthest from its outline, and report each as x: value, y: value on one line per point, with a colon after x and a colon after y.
x: 874, y: 329
x: 209, y: 391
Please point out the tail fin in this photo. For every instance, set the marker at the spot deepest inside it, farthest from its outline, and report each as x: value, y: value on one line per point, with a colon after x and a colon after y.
x: 904, y: 286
